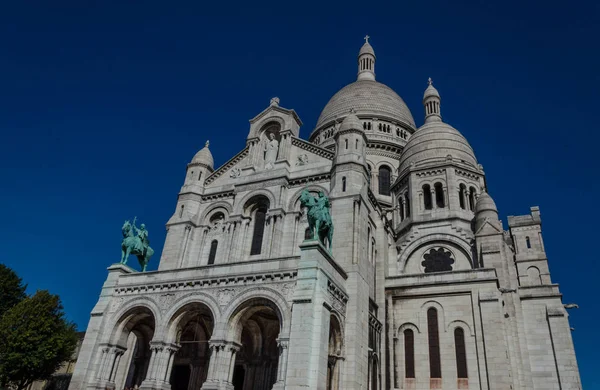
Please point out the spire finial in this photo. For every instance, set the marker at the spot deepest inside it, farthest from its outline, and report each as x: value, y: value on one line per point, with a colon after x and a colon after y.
x: 274, y: 101
x: 366, y: 38
x: 207, y: 143
x: 430, y: 81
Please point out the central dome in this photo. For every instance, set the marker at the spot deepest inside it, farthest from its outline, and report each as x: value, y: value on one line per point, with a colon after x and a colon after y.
x: 366, y: 97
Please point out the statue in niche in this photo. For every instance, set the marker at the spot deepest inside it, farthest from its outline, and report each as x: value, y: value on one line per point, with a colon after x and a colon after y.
x: 271, y: 150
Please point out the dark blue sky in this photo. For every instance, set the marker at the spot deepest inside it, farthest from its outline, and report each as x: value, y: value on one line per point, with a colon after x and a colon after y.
x: 103, y: 103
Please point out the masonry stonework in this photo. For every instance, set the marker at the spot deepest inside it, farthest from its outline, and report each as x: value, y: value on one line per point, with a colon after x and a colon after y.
x: 423, y: 287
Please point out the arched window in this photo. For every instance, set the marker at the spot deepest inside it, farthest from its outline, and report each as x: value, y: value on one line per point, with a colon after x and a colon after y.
x: 461, y: 353
x: 427, y: 197
x: 213, y: 252
x: 472, y: 198
x: 344, y: 184
x: 409, y: 353
x: 462, y: 195
x: 439, y: 195
x: 369, y: 126
x: 259, y: 230
x: 528, y: 242
x: 407, y: 205
x: 181, y: 211
x: 356, y: 144
x: 385, y: 174
x: 435, y: 366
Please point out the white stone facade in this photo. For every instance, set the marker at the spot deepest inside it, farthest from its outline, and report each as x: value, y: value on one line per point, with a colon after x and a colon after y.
x: 423, y: 289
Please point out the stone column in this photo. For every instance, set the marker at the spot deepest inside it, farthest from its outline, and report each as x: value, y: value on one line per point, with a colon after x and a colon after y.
x: 282, y: 344
x: 434, y: 205
x: 184, y: 245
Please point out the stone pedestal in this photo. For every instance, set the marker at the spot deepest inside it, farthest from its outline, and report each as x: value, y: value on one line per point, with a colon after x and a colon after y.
x: 309, y: 333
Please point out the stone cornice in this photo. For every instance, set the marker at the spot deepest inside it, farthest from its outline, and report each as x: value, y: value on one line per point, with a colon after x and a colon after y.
x: 309, y: 147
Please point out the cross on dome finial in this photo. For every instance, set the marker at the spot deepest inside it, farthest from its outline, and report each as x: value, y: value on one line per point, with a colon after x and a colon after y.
x: 366, y: 38
x: 430, y: 81
x: 207, y: 143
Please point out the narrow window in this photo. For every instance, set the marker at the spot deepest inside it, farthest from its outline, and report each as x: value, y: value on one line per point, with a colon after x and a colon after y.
x: 461, y: 353
x: 407, y: 205
x: 259, y: 231
x: 401, y: 206
x: 461, y: 196
x: 364, y: 125
x: 439, y: 195
x: 528, y: 242
x: 435, y: 367
x: 385, y: 174
x: 356, y: 144
x: 409, y: 353
x: 427, y: 197
x: 369, y: 126
x: 181, y: 211
x: 346, y: 141
x: 213, y: 252
x: 344, y: 184
x: 472, y: 198
x: 200, y: 175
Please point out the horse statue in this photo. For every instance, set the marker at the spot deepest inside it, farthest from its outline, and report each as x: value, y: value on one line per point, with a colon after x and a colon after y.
x: 319, y: 218
x: 135, y: 244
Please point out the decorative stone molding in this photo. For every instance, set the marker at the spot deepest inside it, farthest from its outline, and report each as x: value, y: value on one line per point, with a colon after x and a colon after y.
x: 218, y: 195
x: 225, y: 167
x: 431, y: 172
x: 261, y: 184
x: 319, y: 151
x: 339, y: 298
x: 322, y: 178
x: 472, y: 176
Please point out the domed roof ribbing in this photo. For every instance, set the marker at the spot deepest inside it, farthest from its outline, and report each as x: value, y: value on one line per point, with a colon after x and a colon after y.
x: 351, y: 122
x: 366, y: 97
x: 366, y: 49
x: 434, y: 142
x: 431, y: 91
x: 485, y: 203
x: 204, y: 156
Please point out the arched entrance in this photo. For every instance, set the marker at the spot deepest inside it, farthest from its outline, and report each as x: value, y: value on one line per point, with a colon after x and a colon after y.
x: 194, y: 326
x: 136, y: 331
x: 256, y: 326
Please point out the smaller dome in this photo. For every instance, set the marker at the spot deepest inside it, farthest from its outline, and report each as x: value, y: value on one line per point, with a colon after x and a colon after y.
x: 485, y: 203
x: 351, y: 122
x: 366, y: 49
x: 436, y: 142
x: 204, y: 156
x: 431, y: 92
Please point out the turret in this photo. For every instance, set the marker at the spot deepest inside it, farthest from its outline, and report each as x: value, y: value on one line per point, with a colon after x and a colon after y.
x: 366, y: 61
x: 351, y: 144
x: 431, y: 102
x: 199, y: 168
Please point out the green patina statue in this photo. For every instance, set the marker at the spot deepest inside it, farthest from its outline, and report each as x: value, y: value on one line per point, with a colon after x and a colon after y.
x: 319, y: 218
x: 136, y: 244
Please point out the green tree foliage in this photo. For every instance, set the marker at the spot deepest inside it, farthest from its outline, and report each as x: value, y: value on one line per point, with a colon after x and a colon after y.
x: 35, y: 339
x: 12, y: 289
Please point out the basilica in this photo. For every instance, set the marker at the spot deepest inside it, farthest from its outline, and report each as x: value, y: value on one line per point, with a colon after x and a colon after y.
x: 419, y: 286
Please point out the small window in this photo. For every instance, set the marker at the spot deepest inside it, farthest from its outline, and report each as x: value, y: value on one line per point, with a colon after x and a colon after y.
x: 200, y: 175
x: 344, y: 184
x: 308, y: 234
x: 356, y: 145
x: 528, y: 242
x: 462, y: 195
x: 213, y: 252
x: 435, y: 365
x: 427, y: 197
x: 472, y: 192
x: 461, y: 353
x: 439, y: 195
x: 385, y: 174
x: 409, y: 353
x: 181, y: 211
x: 407, y: 205
x: 401, y: 207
